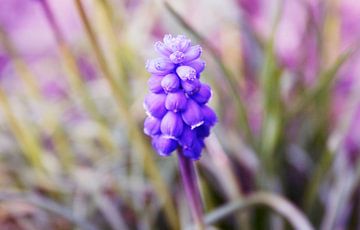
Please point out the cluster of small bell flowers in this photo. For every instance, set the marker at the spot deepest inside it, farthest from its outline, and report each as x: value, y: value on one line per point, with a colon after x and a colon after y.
x: 176, y: 105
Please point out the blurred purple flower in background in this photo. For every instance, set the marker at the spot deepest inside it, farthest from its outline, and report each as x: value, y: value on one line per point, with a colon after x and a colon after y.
x: 25, y: 19
x: 26, y: 26
x: 176, y: 106
x: 295, y: 31
x: 352, y: 138
x: 348, y: 82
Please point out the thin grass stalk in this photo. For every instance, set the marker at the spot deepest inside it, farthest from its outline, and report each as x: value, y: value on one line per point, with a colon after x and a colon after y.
x: 119, y: 93
x: 119, y: 52
x: 272, y: 104
x: 48, y: 205
x: 331, y: 27
x: 73, y: 72
x: 342, y: 194
x: 272, y: 115
x: 108, y: 9
x: 109, y: 211
x: 20, y: 66
x: 222, y: 163
x: 272, y: 126
x: 191, y: 188
x: 324, y: 84
x: 135, y: 136
x: 312, y: 188
x: 74, y: 77
x: 227, y: 178
x: 28, y: 143
x: 335, y: 142
x: 276, y: 203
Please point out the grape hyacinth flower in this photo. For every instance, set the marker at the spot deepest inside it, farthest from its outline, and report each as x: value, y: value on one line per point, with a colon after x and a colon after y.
x: 178, y: 116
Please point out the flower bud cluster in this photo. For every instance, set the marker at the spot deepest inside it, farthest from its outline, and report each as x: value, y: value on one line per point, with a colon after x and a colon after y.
x: 176, y: 105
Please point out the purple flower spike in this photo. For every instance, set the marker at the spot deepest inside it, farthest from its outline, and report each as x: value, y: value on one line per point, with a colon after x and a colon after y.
x: 155, y: 105
x: 177, y: 112
x: 164, y: 146
x: 154, y: 84
x: 186, y: 73
x: 172, y: 125
x: 170, y: 83
x: 152, y: 126
x: 192, y: 115
x: 203, y: 95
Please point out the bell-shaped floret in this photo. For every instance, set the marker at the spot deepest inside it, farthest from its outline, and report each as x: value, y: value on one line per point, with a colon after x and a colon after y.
x: 170, y: 83
x: 203, y: 95
x: 154, y: 105
x: 162, y: 49
x: 192, y: 115
x: 178, y: 43
x: 188, y: 137
x: 176, y: 101
x: 198, y: 65
x: 172, y: 125
x: 177, y: 57
x: 191, y: 87
x: 186, y: 73
x: 192, y: 53
x: 163, y: 145
x: 159, y: 66
x: 154, y: 84
x: 152, y: 126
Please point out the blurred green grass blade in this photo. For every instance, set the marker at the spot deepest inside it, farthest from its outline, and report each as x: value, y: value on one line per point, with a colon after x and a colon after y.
x: 62, y: 146
x: 114, y: 59
x: 276, y: 203
x: 231, y: 80
x: 20, y: 66
x: 227, y: 179
x: 110, y: 212
x: 48, y: 205
x: 272, y: 108
x: 29, y: 143
x: 270, y: 84
x: 134, y: 134
x: 27, y: 140
x: 327, y: 158
x: 74, y: 77
x: 313, y: 187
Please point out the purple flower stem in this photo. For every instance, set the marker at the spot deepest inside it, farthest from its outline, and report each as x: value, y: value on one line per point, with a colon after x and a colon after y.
x: 191, y: 188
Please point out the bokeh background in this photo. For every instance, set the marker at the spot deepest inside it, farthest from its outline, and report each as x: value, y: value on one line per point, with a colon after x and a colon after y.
x: 286, y: 88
